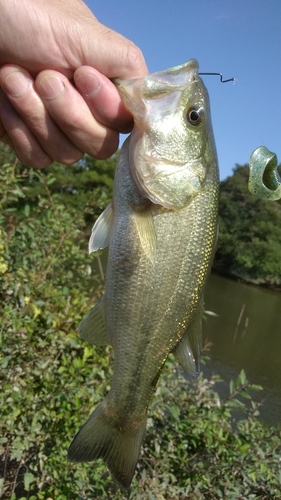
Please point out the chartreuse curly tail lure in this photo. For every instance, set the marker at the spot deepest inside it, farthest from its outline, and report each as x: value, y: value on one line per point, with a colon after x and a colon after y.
x: 264, y: 179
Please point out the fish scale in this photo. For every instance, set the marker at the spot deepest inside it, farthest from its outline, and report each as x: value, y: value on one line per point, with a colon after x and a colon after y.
x: 161, y: 229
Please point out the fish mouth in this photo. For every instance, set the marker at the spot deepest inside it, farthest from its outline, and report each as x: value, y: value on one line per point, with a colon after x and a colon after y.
x: 166, y: 77
x: 157, y: 84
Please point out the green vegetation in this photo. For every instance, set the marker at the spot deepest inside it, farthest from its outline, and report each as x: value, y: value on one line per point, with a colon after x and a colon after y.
x: 249, y: 245
x: 196, y: 446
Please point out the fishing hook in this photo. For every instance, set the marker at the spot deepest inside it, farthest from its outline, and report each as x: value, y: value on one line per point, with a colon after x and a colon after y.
x: 219, y: 74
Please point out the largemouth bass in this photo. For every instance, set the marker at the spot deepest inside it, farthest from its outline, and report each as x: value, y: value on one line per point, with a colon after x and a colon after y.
x: 161, y: 229
x: 264, y: 178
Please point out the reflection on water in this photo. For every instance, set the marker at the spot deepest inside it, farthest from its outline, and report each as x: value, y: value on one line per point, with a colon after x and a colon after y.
x: 246, y: 334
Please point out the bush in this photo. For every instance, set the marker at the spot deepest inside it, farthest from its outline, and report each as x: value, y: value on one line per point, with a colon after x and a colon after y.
x: 196, y: 445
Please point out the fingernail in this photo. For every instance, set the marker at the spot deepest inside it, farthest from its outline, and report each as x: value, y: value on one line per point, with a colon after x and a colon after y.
x: 17, y: 83
x: 88, y: 85
x: 50, y: 87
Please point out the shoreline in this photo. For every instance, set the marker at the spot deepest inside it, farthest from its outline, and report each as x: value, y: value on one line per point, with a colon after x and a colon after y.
x: 245, y: 280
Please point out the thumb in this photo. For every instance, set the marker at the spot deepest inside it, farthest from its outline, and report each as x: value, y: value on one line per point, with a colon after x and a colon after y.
x: 64, y: 35
x: 94, y: 44
x: 112, y: 54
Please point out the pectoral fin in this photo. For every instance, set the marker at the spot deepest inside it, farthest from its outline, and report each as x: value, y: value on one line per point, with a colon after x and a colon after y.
x: 92, y: 328
x: 101, y: 231
x: 187, y: 351
x: 146, y: 231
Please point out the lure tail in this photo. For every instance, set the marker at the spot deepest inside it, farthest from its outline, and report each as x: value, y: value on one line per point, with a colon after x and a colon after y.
x: 102, y: 437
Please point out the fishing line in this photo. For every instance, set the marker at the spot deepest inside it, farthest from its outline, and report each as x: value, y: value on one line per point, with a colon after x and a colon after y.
x: 220, y: 75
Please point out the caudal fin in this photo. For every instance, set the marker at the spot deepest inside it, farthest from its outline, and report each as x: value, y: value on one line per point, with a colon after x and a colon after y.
x: 102, y: 437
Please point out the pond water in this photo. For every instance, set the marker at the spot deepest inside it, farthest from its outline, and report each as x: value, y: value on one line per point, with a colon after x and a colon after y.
x: 246, y: 334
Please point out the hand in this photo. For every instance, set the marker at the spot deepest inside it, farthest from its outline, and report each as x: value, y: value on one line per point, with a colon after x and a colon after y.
x: 46, y: 118
x: 43, y: 115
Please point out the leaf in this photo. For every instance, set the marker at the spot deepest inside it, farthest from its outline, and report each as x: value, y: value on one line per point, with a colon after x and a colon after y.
x: 5, y: 361
x: 50, y: 180
x: 231, y: 387
x: 243, y: 377
x: 245, y: 447
x: 88, y: 352
x: 235, y: 403
x: 19, y: 192
x: 26, y: 210
x: 253, y: 476
x: 28, y: 479
x: 175, y: 411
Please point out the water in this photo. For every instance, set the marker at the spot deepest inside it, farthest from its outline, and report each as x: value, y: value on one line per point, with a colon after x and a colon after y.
x: 246, y: 334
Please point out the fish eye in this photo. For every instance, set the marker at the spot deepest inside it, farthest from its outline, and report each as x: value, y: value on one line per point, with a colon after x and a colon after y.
x: 195, y: 116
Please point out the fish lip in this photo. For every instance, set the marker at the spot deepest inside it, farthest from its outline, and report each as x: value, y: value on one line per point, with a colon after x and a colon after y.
x: 158, y: 75
x: 135, y: 93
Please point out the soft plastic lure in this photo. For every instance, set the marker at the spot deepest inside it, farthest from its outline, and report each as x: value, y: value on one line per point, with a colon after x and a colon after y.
x: 264, y: 179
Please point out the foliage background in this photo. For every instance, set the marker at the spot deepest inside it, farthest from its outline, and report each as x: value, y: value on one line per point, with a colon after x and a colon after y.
x: 196, y: 446
x: 249, y: 245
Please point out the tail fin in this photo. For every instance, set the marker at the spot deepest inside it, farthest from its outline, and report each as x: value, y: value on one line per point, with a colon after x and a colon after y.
x: 102, y: 437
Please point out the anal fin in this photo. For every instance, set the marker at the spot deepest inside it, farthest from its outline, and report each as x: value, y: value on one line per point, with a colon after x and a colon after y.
x: 187, y: 352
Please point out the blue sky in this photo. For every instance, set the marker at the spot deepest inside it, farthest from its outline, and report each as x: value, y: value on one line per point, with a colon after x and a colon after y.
x: 240, y: 38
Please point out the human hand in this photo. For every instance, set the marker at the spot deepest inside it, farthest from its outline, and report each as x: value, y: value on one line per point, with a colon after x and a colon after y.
x: 43, y: 116
x: 46, y: 118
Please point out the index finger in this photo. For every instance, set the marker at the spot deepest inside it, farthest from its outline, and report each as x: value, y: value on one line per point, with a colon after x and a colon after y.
x: 103, y: 99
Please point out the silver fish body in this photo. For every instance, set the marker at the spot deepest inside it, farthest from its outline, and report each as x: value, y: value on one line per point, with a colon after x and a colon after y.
x: 161, y: 228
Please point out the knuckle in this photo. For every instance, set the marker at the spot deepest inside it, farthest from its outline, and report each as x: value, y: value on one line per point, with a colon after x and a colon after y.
x: 135, y: 59
x: 70, y: 158
x: 38, y: 161
x: 107, y: 149
x: 32, y: 156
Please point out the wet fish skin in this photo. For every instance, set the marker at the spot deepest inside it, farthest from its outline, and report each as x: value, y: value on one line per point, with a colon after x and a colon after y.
x: 161, y: 228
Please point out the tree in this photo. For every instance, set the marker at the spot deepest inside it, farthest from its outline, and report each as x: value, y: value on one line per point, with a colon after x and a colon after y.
x: 249, y: 244
x: 85, y: 186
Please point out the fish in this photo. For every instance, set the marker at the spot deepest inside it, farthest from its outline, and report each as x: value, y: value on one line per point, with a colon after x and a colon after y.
x: 161, y: 228
x: 264, y: 179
